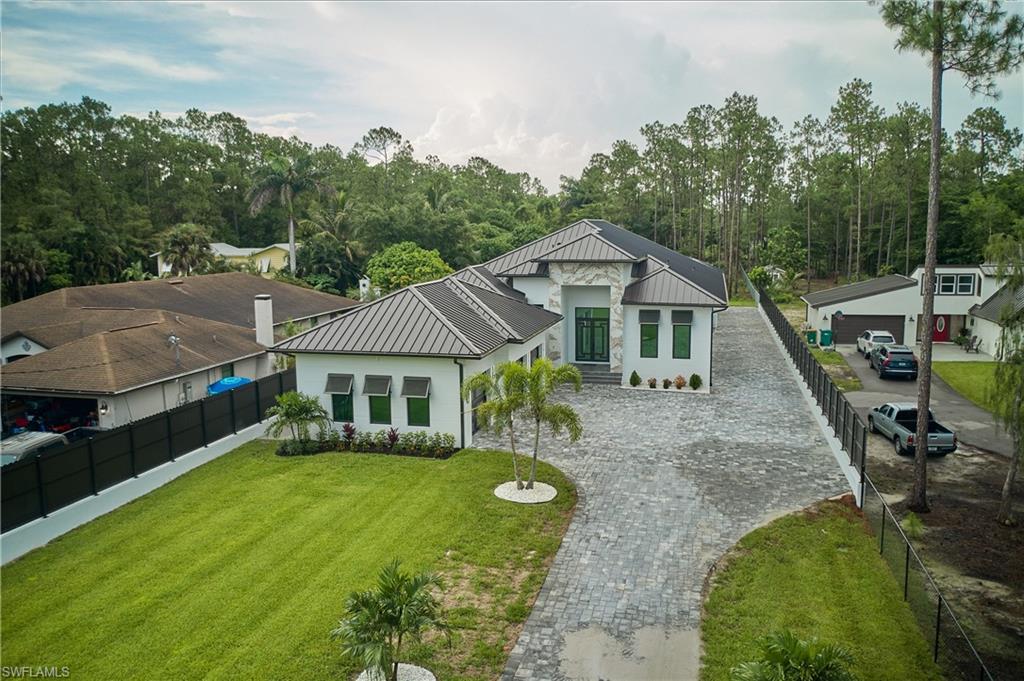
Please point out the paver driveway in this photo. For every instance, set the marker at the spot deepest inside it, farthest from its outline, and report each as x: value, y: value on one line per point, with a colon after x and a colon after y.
x: 667, y: 484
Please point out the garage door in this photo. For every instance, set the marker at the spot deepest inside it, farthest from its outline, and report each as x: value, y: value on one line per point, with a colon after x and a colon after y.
x: 847, y: 329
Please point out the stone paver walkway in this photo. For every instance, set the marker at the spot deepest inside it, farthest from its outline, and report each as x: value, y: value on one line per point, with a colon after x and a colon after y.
x: 667, y: 483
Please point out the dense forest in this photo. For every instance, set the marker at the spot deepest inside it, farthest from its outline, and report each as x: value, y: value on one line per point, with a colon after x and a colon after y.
x: 88, y: 196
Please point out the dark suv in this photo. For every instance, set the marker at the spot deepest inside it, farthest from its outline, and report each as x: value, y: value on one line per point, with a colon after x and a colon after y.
x: 894, y: 360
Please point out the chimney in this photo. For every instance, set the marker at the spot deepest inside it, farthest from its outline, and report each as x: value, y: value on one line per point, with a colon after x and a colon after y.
x: 264, y: 315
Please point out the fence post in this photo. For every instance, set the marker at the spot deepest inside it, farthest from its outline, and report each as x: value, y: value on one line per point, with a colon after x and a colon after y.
x: 131, y: 449
x: 170, y: 437
x: 259, y: 412
x: 906, y: 573
x: 280, y: 382
x: 938, y: 623
x: 92, y: 466
x: 202, y: 419
x: 39, y: 483
x: 881, y: 538
x: 234, y: 426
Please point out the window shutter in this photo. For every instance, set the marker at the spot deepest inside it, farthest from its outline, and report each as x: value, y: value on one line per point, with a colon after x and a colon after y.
x: 340, y: 384
x: 682, y: 316
x: 650, y: 316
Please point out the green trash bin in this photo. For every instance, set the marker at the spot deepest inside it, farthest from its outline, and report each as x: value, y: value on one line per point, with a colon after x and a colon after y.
x: 812, y: 336
x: 826, y: 337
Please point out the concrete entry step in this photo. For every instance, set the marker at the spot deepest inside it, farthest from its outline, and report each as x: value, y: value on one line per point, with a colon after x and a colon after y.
x: 599, y: 373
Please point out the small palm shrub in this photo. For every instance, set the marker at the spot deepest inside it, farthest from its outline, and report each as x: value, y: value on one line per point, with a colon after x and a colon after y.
x: 399, y: 608
x: 696, y: 382
x: 784, y: 657
x: 680, y: 382
x: 634, y: 379
x: 652, y: 382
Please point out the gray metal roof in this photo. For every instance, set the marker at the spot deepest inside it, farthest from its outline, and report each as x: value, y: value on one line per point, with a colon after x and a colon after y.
x: 478, y: 275
x: 665, y: 287
x: 857, y: 290
x: 442, y: 318
x: 529, y: 260
x: 992, y: 309
x: 588, y: 248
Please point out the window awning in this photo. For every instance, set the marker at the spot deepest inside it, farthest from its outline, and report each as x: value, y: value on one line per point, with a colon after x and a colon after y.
x: 650, y: 316
x: 682, y: 316
x: 415, y: 387
x: 340, y: 384
x: 377, y: 386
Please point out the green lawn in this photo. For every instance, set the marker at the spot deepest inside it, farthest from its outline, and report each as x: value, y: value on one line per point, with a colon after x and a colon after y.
x: 970, y: 379
x: 239, y: 569
x: 817, y: 573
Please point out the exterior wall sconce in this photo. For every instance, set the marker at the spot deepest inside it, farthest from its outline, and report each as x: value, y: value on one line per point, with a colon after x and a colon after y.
x: 104, y: 408
x: 911, y: 318
x: 824, y: 317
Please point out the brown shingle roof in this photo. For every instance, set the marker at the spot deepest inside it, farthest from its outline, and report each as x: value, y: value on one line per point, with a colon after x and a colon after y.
x: 122, y: 359
x: 226, y: 298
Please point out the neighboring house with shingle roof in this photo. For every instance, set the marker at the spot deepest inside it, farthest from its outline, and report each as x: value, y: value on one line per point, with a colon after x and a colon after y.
x: 591, y: 293
x: 126, y: 351
x: 264, y: 259
x: 986, y: 317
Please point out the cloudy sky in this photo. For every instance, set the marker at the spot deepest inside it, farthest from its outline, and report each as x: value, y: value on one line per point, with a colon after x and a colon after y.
x: 534, y: 87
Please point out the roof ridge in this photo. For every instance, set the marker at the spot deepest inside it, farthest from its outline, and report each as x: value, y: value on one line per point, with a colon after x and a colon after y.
x: 502, y: 326
x: 440, y: 317
x: 595, y: 235
x: 546, y: 236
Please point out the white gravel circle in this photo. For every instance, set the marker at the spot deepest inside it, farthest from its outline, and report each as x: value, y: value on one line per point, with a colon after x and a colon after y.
x: 540, y: 493
x: 406, y: 672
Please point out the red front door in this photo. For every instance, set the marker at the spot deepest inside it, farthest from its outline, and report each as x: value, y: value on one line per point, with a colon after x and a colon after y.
x: 941, y: 328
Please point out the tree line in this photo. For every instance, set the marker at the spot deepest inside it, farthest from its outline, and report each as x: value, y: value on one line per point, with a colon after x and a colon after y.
x: 88, y: 196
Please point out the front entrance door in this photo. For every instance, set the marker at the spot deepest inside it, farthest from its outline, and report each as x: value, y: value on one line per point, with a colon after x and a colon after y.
x: 941, y: 334
x: 592, y: 334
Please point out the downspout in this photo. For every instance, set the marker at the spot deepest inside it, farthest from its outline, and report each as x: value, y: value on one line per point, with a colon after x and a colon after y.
x: 462, y: 414
x: 711, y: 363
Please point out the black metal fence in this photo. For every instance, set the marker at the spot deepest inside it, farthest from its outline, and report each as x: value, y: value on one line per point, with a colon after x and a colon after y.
x: 36, y: 486
x: 846, y: 423
x: 951, y: 647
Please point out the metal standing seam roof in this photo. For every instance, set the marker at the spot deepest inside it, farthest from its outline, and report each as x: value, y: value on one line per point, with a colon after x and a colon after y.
x: 857, y: 290
x: 665, y: 287
x: 588, y: 248
x: 481, y: 276
x: 992, y: 309
x: 524, y: 255
x: 442, y: 318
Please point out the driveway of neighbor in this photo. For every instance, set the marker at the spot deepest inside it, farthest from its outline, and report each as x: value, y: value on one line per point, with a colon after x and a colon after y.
x: 667, y: 483
x: 972, y: 424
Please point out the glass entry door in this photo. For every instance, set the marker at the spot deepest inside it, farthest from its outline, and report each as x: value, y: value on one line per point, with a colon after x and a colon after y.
x: 592, y: 334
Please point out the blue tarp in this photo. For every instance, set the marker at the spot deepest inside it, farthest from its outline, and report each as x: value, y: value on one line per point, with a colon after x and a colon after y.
x: 226, y: 384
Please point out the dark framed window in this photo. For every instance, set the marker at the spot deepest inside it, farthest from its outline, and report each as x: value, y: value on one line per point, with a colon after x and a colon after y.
x: 418, y: 411
x: 380, y: 409
x: 681, y: 341
x: 649, y: 340
x: 227, y: 371
x: 341, y: 408
x: 965, y: 284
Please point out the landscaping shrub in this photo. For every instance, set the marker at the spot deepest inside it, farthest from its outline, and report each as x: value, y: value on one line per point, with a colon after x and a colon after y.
x: 391, y: 437
x: 680, y: 382
x: 328, y: 440
x: 348, y: 434
x: 634, y: 379
x: 418, y: 443
x: 666, y: 383
x: 652, y: 382
x: 696, y: 381
x: 298, y: 447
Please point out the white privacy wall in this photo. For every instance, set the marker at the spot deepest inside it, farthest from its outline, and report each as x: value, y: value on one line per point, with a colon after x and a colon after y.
x: 664, y: 366
x: 987, y: 332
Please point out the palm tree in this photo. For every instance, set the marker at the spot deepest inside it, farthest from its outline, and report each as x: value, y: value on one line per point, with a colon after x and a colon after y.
x: 333, y: 219
x: 784, y: 657
x: 23, y: 266
x: 542, y: 380
x: 186, y: 248
x: 379, y: 620
x: 285, y: 179
x: 297, y: 412
x: 506, y: 394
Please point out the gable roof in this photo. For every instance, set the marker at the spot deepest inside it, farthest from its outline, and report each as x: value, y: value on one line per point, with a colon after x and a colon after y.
x: 665, y: 287
x: 859, y: 289
x: 479, y: 275
x: 588, y: 248
x: 448, y: 317
x: 992, y: 309
x: 226, y: 298
x: 531, y: 260
x: 122, y: 359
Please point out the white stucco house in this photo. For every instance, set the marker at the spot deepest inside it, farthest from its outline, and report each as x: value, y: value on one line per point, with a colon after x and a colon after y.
x: 895, y: 302
x: 592, y: 293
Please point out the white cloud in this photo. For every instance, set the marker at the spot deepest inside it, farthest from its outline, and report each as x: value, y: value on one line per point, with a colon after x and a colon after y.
x: 147, y: 65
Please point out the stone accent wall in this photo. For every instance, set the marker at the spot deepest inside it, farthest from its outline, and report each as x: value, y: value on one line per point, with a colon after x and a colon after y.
x: 612, y: 275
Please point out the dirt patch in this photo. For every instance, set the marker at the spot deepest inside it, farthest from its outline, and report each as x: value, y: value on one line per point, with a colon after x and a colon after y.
x: 977, y: 563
